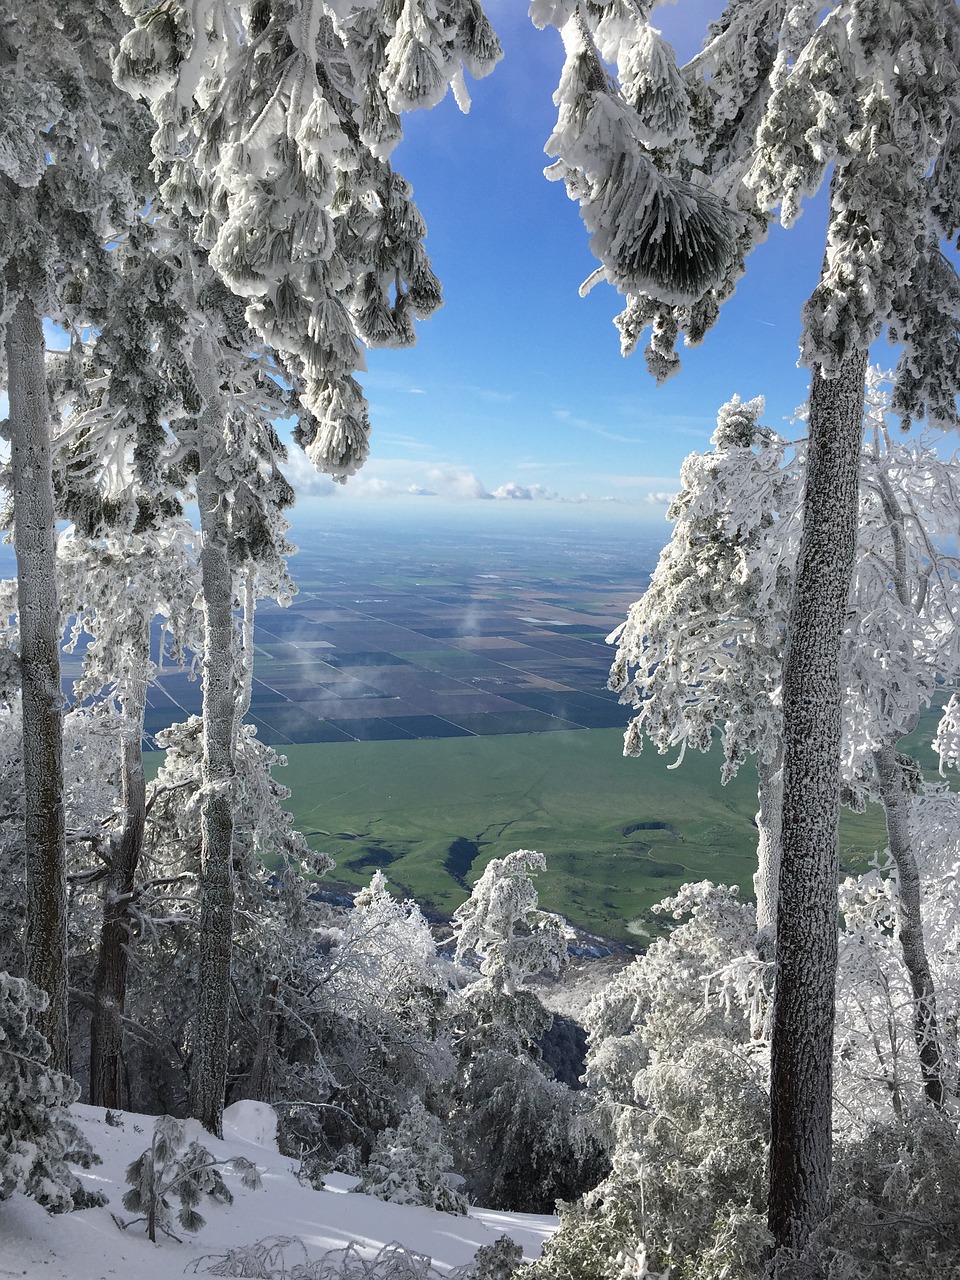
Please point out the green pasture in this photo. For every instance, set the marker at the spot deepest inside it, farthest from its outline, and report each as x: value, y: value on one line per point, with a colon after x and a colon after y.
x: 619, y: 834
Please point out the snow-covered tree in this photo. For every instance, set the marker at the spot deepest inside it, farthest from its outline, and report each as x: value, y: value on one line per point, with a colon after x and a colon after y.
x: 502, y: 924
x: 676, y: 171
x: 360, y: 1026
x: 173, y: 1168
x: 681, y: 1081
x: 71, y: 165
x: 273, y: 124
x: 702, y: 650
x: 410, y: 1164
x: 522, y: 1139
x: 38, y: 1139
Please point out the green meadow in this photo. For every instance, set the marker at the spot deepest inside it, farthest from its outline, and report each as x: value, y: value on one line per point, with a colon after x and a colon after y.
x: 619, y: 834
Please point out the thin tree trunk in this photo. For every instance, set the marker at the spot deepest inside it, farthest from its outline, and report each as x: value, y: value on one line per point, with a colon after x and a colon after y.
x: 896, y: 807
x: 211, y: 1028
x: 769, y: 829
x: 39, y: 615
x: 804, y: 1000
x: 260, y: 1080
x: 249, y: 599
x: 110, y: 979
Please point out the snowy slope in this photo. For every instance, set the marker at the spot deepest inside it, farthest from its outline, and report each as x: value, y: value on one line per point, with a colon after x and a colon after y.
x: 88, y: 1245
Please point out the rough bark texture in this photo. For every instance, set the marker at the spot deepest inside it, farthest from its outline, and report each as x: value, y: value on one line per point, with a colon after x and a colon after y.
x: 39, y: 615
x: 803, y: 1015
x: 260, y: 1080
x: 110, y: 979
x: 769, y: 828
x: 896, y: 807
x: 211, y: 1028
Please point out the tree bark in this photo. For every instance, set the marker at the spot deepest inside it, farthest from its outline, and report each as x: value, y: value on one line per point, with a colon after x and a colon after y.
x: 770, y: 830
x: 39, y: 615
x: 896, y: 807
x: 110, y: 979
x: 804, y: 1000
x: 211, y: 1028
x: 260, y: 1080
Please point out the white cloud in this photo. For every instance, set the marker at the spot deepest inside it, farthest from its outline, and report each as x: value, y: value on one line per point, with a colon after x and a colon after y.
x: 455, y: 482
x: 660, y: 499
x: 307, y: 481
x: 525, y: 493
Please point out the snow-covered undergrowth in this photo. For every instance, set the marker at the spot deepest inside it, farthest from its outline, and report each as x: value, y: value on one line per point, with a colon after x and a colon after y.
x: 89, y: 1244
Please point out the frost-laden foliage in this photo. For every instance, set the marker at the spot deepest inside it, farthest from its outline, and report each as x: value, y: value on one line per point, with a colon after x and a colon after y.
x: 522, y: 1139
x: 878, y: 1078
x: 273, y: 124
x: 895, y: 1207
x: 91, y: 789
x: 702, y: 649
x: 38, y: 1139
x: 409, y: 1164
x: 164, y: 909
x: 502, y: 925
x: 287, y: 1258
x: 677, y: 169
x: 175, y: 1169
x: 72, y: 153
x: 683, y: 1091
x: 497, y: 1261
x: 359, y: 1032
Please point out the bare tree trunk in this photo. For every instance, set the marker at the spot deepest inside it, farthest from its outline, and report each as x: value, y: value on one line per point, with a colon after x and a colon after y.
x: 260, y: 1080
x: 896, y: 807
x: 770, y: 830
x: 804, y: 1000
x: 211, y: 1027
x: 110, y: 979
x: 39, y: 614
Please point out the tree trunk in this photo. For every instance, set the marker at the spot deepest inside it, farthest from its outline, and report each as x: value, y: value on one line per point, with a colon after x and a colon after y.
x: 211, y: 1029
x: 110, y: 980
x: 260, y: 1081
x: 39, y: 613
x: 769, y: 829
x: 804, y: 1000
x: 896, y: 807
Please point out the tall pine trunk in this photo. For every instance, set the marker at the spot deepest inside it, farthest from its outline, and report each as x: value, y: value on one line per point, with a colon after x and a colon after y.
x: 804, y: 999
x: 769, y: 840
x: 110, y: 979
x: 896, y: 807
x: 39, y: 615
x: 208, y: 1077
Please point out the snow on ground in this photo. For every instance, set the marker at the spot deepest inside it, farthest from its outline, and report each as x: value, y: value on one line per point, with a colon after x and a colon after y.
x: 88, y: 1245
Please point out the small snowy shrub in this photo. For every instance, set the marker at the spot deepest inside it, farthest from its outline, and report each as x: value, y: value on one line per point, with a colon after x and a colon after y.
x: 173, y: 1169
x: 408, y: 1164
x: 497, y: 1261
x: 37, y: 1136
x: 271, y: 1259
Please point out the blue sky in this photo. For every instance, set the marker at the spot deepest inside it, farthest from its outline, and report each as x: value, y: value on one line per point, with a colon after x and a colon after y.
x: 518, y: 381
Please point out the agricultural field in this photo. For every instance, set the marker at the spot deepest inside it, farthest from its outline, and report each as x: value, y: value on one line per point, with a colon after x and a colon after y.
x: 619, y: 834
x: 440, y: 698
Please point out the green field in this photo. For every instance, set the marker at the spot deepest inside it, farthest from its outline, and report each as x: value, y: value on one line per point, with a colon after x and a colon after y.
x: 619, y: 834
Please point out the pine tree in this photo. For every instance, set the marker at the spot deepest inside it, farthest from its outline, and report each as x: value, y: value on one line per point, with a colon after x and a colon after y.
x: 409, y: 1164
x: 676, y: 172
x: 71, y: 171
x: 272, y: 129
x: 37, y: 1136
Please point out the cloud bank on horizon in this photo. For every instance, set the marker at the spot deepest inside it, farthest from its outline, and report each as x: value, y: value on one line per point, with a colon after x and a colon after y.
x: 391, y: 478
